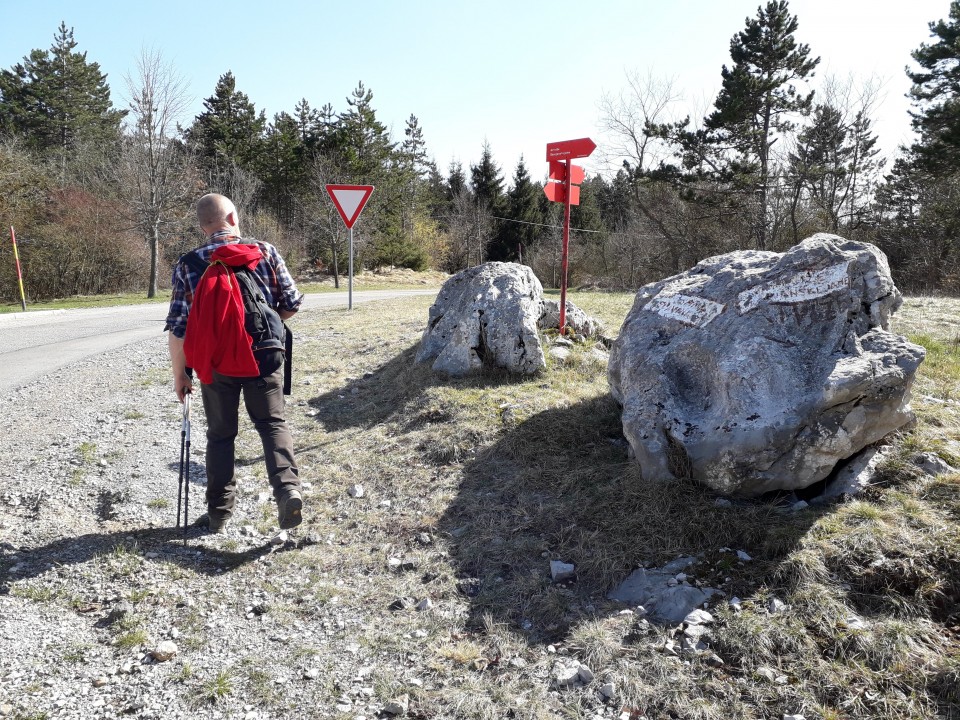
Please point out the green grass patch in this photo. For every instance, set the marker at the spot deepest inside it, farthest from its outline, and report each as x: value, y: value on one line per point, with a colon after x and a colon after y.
x: 87, y: 301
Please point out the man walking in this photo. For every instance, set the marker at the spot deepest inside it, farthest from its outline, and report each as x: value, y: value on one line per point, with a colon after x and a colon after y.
x: 261, y: 385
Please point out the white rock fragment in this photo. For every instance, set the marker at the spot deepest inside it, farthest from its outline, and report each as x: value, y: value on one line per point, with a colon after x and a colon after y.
x: 608, y: 690
x: 355, y: 490
x: 743, y: 556
x: 585, y: 674
x: 561, y: 571
x: 775, y: 605
x: 698, y: 617
x: 565, y: 675
x: 165, y: 651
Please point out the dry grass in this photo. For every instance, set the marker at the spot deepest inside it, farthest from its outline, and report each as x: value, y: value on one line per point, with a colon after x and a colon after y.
x: 480, y: 482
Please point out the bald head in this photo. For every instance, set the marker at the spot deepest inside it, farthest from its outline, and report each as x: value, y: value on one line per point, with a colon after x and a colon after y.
x: 216, y: 212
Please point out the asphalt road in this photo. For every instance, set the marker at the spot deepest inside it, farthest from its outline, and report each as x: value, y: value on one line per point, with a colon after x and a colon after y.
x: 35, y: 344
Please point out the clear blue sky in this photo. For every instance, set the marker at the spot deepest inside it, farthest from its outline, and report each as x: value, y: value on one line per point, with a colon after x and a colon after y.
x: 517, y: 73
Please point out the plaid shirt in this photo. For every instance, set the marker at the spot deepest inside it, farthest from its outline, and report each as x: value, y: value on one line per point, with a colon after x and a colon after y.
x: 271, y: 274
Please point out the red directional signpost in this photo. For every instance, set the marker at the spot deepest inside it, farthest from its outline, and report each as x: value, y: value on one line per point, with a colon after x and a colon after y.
x: 349, y: 201
x: 565, y: 179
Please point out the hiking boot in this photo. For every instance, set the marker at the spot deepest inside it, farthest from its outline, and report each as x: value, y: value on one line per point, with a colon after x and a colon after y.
x: 216, y: 524
x: 289, y: 507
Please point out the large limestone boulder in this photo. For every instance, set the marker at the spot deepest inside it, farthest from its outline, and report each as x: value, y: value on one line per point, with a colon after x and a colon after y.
x: 758, y: 371
x: 486, y: 314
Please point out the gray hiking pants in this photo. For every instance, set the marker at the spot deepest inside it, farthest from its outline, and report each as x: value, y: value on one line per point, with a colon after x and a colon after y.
x: 263, y: 398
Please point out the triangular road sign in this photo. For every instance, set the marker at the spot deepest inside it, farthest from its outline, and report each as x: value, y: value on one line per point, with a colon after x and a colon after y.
x: 349, y: 200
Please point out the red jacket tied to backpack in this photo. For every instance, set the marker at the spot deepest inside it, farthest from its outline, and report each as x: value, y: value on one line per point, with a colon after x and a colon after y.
x: 216, y: 338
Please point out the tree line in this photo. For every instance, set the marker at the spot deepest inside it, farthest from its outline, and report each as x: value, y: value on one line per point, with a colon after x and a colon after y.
x: 102, y: 195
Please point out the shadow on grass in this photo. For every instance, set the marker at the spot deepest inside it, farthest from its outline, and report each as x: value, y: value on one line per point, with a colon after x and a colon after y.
x: 559, y: 486
x: 166, y: 543
x: 391, y: 389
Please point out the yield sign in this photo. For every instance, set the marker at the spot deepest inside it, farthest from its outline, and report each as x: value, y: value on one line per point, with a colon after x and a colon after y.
x: 349, y: 200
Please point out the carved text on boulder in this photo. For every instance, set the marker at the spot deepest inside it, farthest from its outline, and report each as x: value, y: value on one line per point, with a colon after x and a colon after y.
x: 687, y: 309
x: 807, y: 285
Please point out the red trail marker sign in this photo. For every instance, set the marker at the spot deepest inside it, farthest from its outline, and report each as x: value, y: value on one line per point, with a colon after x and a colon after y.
x: 563, y: 186
x: 570, y: 149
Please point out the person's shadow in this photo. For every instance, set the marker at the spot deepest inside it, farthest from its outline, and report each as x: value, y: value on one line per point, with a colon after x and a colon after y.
x: 167, y: 544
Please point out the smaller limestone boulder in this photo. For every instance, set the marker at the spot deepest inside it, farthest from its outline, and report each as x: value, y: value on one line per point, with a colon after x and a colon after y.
x: 575, y: 320
x: 486, y: 315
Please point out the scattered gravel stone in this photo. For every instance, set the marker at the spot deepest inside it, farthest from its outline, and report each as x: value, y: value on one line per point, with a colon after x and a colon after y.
x: 767, y: 674
x: 775, y: 605
x: 743, y: 556
x: 698, y: 617
x: 561, y: 571
x: 311, y: 674
x: 608, y: 690
x: 355, y: 491
x: 565, y: 674
x: 403, y: 603
x: 425, y: 604
x: 585, y: 674
x: 165, y: 651
x: 280, y: 538
x: 933, y: 464
x: 794, y: 717
x: 722, y: 503
x: 398, y: 705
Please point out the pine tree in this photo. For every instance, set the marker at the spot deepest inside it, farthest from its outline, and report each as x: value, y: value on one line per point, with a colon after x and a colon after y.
x: 362, y: 139
x: 758, y: 95
x: 820, y: 164
x: 58, y: 101
x: 229, y: 132
x: 282, y: 165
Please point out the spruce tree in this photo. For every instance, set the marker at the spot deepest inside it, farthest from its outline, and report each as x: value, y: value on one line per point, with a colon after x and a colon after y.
x: 57, y: 100
x: 525, y: 222
x: 487, y: 185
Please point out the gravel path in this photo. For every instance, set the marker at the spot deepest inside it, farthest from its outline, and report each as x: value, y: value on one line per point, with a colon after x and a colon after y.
x: 93, y: 577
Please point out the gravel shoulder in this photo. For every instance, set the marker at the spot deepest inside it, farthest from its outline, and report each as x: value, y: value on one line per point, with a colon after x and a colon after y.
x: 93, y: 577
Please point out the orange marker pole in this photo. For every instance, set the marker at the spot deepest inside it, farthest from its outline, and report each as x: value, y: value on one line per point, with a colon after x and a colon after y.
x: 16, y: 258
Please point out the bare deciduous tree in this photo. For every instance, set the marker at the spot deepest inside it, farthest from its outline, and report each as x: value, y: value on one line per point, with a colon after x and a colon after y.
x: 155, y: 171
x: 626, y: 118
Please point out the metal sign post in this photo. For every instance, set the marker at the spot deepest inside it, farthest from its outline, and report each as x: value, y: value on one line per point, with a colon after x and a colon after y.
x: 565, y: 178
x: 349, y: 201
x: 350, y: 271
x: 16, y: 259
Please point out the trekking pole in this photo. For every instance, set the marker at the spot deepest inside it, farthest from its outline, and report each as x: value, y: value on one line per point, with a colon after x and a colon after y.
x: 185, y: 432
x: 183, y: 440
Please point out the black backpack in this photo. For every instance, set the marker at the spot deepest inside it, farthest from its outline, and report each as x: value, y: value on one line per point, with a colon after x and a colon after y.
x: 272, y: 339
